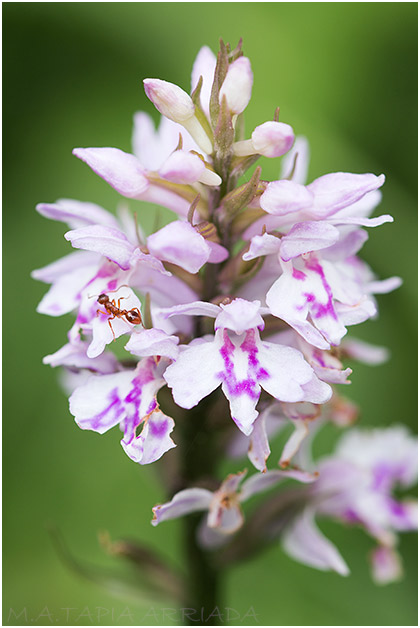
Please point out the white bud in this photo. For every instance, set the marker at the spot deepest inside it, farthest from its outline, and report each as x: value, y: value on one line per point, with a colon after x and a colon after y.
x: 237, y: 85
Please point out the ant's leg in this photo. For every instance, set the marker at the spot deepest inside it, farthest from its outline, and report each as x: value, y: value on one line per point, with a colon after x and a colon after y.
x: 109, y: 323
x: 100, y: 312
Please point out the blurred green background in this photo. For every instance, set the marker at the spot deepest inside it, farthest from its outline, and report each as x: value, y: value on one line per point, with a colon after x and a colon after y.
x: 344, y: 75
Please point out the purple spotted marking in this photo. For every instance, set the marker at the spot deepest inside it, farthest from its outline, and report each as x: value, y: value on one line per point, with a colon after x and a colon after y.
x: 319, y: 310
x: 248, y: 386
x: 158, y: 429
x: 298, y: 274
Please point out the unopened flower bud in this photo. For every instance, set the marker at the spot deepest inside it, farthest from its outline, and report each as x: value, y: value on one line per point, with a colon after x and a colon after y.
x: 271, y: 139
x: 237, y: 85
x: 184, y: 167
x: 172, y: 102
x: 169, y: 99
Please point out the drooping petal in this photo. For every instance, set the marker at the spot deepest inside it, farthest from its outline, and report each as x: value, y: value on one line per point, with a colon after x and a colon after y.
x: 259, y: 446
x: 153, y: 441
x: 259, y: 483
x: 304, y: 542
x: 121, y: 170
x: 293, y: 443
x: 183, y: 503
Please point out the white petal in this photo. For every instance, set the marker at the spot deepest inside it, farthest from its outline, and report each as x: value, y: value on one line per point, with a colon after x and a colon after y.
x: 195, y: 374
x: 305, y: 543
x: 183, y: 503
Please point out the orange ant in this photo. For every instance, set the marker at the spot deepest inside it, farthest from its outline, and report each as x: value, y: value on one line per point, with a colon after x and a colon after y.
x: 132, y: 316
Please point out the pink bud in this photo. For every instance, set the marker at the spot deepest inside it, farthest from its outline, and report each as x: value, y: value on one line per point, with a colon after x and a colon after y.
x: 237, y: 85
x: 169, y: 99
x: 273, y: 139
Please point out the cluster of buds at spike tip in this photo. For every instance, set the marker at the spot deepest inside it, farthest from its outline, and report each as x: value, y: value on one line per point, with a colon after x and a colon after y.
x: 244, y: 299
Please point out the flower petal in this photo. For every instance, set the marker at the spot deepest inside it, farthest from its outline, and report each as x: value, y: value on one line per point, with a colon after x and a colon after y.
x: 153, y: 441
x: 386, y: 565
x: 153, y: 342
x: 305, y: 543
x: 285, y: 197
x: 183, y: 503
x: 77, y: 214
x: 195, y: 374
x: 308, y: 236
x: 337, y: 190
x: 180, y: 244
x: 107, y: 241
x: 121, y: 170
x: 264, y: 481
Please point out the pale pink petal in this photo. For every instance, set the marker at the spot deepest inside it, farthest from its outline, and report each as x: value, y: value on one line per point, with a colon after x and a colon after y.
x: 294, y: 442
x: 180, y: 244
x: 384, y: 286
x: 218, y: 253
x: 232, y: 482
x: 107, y: 241
x: 348, y: 245
x: 153, y: 441
x: 284, y: 197
x: 196, y: 308
x: 363, y: 222
x: 365, y: 352
x: 227, y: 519
x: 259, y: 483
x: 77, y: 260
x: 386, y: 565
x: 182, y: 167
x: 204, y: 65
x: 337, y: 190
x: 121, y: 170
x: 305, y: 237
x: 183, y: 503
x: 77, y: 214
x: 264, y: 244
x: 304, y: 542
x: 153, y: 341
x: 259, y: 446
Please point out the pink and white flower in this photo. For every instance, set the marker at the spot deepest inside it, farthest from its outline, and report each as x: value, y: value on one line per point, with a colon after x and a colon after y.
x: 236, y: 358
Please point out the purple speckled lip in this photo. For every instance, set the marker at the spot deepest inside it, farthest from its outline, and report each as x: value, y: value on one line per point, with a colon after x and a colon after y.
x: 248, y: 385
